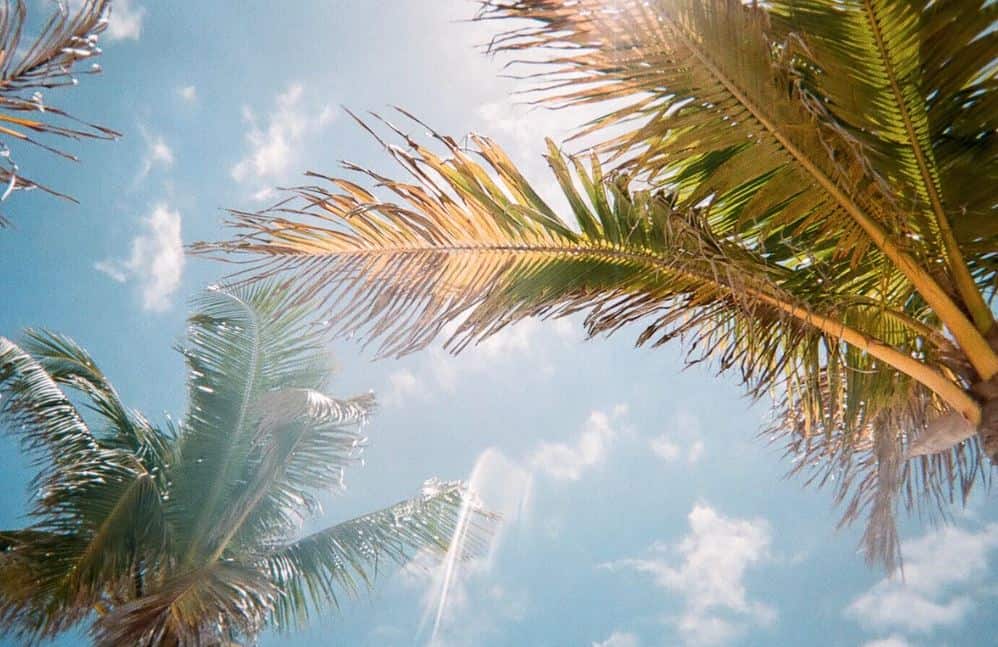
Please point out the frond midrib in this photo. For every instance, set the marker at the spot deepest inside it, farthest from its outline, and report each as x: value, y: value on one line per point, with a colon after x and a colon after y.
x: 219, y: 481
x: 965, y: 283
x: 923, y: 373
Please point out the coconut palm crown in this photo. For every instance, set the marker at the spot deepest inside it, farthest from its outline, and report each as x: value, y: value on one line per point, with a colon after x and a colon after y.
x: 803, y: 191
x: 190, y: 534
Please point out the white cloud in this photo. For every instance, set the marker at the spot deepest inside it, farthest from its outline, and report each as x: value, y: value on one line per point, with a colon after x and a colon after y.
x: 126, y: 21
x: 710, y: 576
x: 568, y: 462
x: 891, y: 641
x: 275, y: 144
x: 158, y: 153
x: 936, y: 565
x: 664, y: 448
x: 683, y: 438
x: 523, y: 345
x: 188, y: 93
x: 156, y: 262
x: 619, y: 639
x: 403, y: 385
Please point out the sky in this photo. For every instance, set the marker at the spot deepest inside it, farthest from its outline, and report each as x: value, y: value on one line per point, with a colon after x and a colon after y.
x: 640, y: 507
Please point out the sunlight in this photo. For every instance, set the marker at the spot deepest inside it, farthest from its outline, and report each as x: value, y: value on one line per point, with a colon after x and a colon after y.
x: 500, y: 486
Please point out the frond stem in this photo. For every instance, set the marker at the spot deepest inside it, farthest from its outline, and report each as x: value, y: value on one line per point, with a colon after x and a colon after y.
x: 972, y: 297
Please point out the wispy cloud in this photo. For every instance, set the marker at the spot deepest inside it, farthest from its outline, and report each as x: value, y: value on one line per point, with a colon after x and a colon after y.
x: 403, y: 385
x: 683, y: 439
x: 158, y: 153
x: 890, y: 641
x: 156, y: 263
x: 941, y: 571
x: 619, y: 639
x: 126, y: 21
x: 713, y: 558
x: 565, y: 461
x: 524, y: 345
x: 275, y: 142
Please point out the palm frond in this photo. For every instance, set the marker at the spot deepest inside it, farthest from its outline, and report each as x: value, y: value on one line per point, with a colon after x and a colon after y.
x: 304, y: 441
x: 957, y: 46
x: 235, y: 598
x: 70, y: 365
x: 865, y: 63
x: 51, y: 60
x: 704, y: 98
x: 312, y: 572
x: 36, y: 410
x: 712, y: 106
x: 241, y: 345
x: 93, y: 504
x: 474, y: 244
x: 464, y: 243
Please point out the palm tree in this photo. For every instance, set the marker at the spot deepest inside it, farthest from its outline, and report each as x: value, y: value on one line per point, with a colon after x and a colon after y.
x: 802, y: 190
x: 189, y: 534
x: 30, y: 68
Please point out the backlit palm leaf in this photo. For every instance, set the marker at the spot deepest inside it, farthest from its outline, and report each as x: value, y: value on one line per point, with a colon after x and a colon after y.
x: 715, y: 95
x: 191, y: 536
x: 473, y: 243
x: 29, y: 68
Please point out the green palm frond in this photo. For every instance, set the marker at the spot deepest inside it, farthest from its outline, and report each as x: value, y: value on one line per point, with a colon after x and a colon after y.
x: 172, y: 537
x: 50, y: 60
x: 714, y: 98
x: 865, y: 61
x: 309, y: 572
x: 70, y: 365
x: 39, y: 413
x: 241, y: 346
x: 472, y: 243
x: 304, y: 442
x: 703, y: 97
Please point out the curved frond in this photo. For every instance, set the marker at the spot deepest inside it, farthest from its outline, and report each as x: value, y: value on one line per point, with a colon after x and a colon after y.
x: 304, y: 441
x: 865, y: 62
x: 35, y: 409
x: 473, y: 244
x: 28, y: 69
x: 241, y: 345
x: 312, y: 572
x: 710, y: 106
x: 69, y: 364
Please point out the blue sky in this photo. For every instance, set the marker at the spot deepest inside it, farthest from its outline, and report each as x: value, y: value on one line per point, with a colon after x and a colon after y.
x: 641, y: 509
